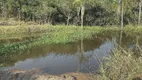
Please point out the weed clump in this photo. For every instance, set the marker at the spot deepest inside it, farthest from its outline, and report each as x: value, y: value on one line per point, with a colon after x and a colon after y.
x: 123, y: 64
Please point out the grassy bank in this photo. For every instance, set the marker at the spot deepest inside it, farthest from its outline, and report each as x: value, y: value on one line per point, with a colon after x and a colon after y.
x: 52, y: 35
x: 135, y: 30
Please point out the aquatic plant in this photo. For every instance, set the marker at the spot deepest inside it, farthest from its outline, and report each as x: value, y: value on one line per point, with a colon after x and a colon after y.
x: 54, y: 35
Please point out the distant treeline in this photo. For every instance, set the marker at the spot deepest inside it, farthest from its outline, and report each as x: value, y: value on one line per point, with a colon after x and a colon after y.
x: 73, y: 12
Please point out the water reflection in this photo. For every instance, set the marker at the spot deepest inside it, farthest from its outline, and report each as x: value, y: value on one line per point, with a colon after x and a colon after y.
x: 11, y: 38
x: 57, y: 63
x: 63, y: 58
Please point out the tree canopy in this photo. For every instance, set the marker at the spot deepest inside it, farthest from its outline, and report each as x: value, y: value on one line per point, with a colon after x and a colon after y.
x: 71, y: 12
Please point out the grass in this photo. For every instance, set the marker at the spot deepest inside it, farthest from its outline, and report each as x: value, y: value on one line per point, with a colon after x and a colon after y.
x: 23, y: 29
x: 133, y: 30
x: 53, y: 35
x: 50, y: 35
x: 123, y: 64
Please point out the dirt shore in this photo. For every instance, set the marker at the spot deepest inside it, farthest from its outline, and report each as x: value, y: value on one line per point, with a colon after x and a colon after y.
x: 36, y: 74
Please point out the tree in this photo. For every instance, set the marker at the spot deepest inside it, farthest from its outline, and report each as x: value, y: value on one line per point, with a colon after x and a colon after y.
x: 66, y: 8
x: 80, y: 12
x: 29, y: 9
x: 45, y: 11
x: 82, y: 4
x: 121, y: 12
x: 4, y: 8
x: 140, y: 10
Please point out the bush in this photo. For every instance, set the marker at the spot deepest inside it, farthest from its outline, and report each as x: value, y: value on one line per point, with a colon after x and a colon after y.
x: 121, y: 65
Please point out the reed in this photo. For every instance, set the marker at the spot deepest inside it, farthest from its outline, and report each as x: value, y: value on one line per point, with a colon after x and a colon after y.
x: 123, y: 64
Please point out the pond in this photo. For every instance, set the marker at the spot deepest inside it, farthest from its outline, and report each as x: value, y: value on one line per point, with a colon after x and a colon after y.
x: 81, y: 56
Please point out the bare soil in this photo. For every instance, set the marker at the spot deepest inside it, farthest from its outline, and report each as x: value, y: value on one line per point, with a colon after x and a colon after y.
x: 36, y: 74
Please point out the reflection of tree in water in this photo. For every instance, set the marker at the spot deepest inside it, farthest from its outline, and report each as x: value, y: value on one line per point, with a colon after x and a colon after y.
x: 81, y: 51
x: 82, y: 58
x: 80, y: 55
x: 59, y: 49
x: 123, y: 40
x: 120, y: 37
x: 132, y: 42
x: 126, y: 40
x: 137, y: 48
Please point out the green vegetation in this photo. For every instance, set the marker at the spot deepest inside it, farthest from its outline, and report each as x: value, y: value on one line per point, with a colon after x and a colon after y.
x: 55, y: 34
x: 71, y: 12
x: 48, y: 34
x: 135, y: 30
x: 35, y: 22
x: 123, y: 64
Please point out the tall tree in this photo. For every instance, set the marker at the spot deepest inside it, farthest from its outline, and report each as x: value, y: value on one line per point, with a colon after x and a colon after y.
x: 29, y: 9
x: 140, y: 10
x: 69, y: 11
x: 67, y: 8
x: 83, y: 4
x: 45, y: 11
x: 122, y: 14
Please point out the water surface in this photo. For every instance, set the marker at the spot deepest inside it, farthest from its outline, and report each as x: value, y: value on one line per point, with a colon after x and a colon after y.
x: 81, y: 56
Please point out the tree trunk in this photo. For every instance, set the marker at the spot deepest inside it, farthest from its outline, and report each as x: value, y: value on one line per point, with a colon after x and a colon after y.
x: 140, y: 7
x: 82, y: 15
x: 19, y: 13
x: 78, y: 16
x: 122, y: 16
x: 4, y: 10
x: 68, y: 19
x: 118, y: 14
x: 48, y: 18
x: 25, y: 16
x: 19, y: 16
x: 120, y: 37
x: 31, y: 17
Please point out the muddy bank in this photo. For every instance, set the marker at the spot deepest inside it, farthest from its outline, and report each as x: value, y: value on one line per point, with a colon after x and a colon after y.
x: 36, y: 74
